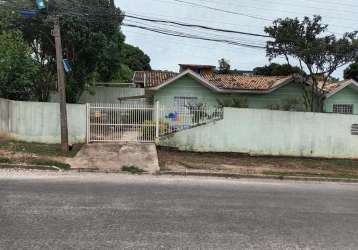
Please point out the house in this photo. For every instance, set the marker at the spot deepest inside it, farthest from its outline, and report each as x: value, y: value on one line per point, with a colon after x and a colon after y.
x: 342, y: 97
x: 200, y: 84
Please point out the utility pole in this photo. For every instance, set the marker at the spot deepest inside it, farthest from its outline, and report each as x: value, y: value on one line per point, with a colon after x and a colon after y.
x: 61, y: 83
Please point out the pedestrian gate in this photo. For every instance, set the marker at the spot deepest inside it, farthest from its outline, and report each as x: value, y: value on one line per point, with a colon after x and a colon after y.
x: 143, y: 123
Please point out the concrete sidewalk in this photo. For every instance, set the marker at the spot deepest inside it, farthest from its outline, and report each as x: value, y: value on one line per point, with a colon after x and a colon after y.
x: 112, y: 157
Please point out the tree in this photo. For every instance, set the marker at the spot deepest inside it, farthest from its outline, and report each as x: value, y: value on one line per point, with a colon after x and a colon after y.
x: 351, y: 72
x: 275, y: 69
x: 91, y: 42
x: 224, y: 66
x: 135, y: 58
x: 17, y: 68
x: 318, y: 54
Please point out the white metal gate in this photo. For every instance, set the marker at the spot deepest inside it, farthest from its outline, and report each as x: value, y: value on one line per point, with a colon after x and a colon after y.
x: 143, y: 123
x: 121, y: 123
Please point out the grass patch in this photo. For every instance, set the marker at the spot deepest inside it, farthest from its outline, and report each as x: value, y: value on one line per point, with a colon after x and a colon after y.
x: 132, y: 169
x: 39, y: 148
x: 6, y: 161
x: 307, y: 174
x: 41, y: 162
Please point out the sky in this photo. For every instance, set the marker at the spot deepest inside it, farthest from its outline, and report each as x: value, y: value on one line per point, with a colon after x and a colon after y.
x: 167, y: 52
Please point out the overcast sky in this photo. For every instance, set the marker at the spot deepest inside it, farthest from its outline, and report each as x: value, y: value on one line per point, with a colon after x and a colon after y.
x: 167, y: 52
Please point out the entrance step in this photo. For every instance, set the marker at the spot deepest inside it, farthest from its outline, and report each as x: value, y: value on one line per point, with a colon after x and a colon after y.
x: 112, y: 157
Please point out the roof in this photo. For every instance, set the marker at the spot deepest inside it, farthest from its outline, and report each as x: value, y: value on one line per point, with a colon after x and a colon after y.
x: 242, y: 82
x: 219, y: 82
x: 152, y: 78
x: 333, y: 88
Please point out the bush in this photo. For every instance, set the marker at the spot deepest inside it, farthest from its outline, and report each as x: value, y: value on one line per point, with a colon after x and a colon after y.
x: 234, y: 102
x: 132, y: 169
x: 17, y: 68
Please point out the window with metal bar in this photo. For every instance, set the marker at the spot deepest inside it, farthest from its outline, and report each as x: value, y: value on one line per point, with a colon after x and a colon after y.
x: 343, y: 108
x: 182, y: 103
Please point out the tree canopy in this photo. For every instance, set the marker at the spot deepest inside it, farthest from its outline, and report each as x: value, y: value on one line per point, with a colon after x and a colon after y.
x: 17, y: 68
x: 91, y: 40
x: 317, y: 53
x: 224, y: 66
x: 351, y: 72
x: 275, y: 69
x: 135, y: 58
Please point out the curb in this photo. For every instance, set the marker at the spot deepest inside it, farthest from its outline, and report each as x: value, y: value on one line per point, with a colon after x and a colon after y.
x: 30, y: 167
x: 269, y: 177
x: 102, y: 171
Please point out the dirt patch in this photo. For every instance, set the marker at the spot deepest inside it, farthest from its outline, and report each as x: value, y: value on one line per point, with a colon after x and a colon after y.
x: 113, y: 157
x: 172, y: 160
x: 16, y: 152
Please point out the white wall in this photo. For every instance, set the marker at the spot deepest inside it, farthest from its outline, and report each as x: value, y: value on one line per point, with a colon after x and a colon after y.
x: 40, y: 122
x: 4, y: 116
x: 265, y: 132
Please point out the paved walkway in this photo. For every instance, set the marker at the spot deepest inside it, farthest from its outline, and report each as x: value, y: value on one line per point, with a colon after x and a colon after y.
x: 112, y: 157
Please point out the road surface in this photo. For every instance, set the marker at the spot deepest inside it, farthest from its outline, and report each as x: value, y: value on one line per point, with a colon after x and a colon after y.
x: 97, y: 211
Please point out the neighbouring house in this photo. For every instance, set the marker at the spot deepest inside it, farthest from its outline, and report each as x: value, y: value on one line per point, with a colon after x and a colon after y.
x: 342, y: 97
x: 200, y: 84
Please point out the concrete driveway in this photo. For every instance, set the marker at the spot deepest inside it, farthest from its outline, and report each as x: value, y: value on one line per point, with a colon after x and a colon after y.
x: 112, y: 157
x: 98, y: 211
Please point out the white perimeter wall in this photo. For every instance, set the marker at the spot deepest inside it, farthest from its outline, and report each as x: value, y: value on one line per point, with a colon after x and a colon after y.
x: 40, y: 122
x: 265, y: 132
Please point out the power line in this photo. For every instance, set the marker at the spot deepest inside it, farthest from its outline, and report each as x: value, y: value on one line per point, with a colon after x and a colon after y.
x: 172, y: 28
x: 197, y: 26
x: 178, y: 34
x: 223, y: 10
x: 229, y: 11
x: 286, y: 11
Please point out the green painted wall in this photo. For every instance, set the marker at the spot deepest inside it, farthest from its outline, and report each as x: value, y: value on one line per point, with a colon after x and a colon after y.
x: 348, y: 95
x: 189, y: 87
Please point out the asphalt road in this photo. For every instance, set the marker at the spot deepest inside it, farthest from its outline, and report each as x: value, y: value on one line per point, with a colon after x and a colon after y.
x: 89, y: 211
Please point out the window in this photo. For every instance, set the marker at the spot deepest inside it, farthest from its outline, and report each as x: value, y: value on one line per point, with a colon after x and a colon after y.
x: 343, y: 108
x: 182, y: 103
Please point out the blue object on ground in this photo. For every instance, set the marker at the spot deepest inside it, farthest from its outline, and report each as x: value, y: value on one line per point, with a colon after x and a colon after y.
x: 28, y: 13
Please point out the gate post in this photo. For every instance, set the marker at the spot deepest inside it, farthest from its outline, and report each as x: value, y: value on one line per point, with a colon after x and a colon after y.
x: 88, y: 120
x: 157, y: 120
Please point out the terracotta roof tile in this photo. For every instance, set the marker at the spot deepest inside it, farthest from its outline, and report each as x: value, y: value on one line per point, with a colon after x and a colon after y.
x: 221, y: 81
x: 153, y: 78
x: 241, y: 82
x: 332, y: 86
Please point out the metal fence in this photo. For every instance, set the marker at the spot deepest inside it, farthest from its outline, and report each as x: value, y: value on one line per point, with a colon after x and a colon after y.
x: 143, y: 123
x: 175, y: 119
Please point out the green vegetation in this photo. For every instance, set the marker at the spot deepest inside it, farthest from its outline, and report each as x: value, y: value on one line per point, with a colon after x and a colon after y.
x: 132, y: 169
x: 148, y: 130
x: 38, y: 148
x: 317, y: 52
x: 92, y: 43
x: 275, y: 69
x: 6, y: 161
x: 351, y: 72
x: 50, y: 163
x: 17, y: 68
x: 234, y: 102
x: 309, y: 174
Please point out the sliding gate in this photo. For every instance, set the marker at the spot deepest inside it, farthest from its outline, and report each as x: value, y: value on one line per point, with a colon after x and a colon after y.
x: 121, y: 123
x: 143, y: 123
